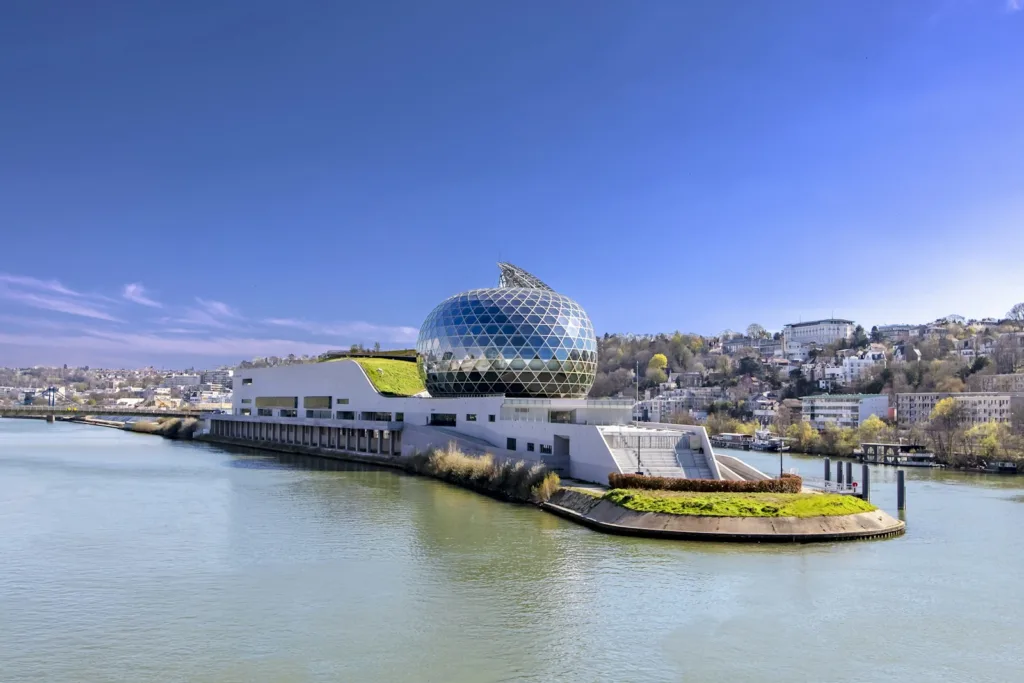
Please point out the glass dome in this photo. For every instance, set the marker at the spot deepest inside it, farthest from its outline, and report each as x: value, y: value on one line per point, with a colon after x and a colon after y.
x: 523, y: 341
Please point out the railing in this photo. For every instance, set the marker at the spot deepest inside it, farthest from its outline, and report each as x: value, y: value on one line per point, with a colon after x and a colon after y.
x: 643, y: 441
x: 95, y: 410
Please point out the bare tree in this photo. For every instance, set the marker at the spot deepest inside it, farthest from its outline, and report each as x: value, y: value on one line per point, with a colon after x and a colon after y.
x: 755, y: 331
x: 1016, y: 314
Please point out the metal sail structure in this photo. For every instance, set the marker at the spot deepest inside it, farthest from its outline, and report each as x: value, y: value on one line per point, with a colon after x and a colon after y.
x: 514, y: 276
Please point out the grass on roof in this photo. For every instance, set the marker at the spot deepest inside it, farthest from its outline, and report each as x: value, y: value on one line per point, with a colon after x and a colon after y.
x: 739, y: 504
x: 390, y: 377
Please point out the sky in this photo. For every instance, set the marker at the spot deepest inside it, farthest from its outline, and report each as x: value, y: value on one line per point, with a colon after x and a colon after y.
x: 197, y: 182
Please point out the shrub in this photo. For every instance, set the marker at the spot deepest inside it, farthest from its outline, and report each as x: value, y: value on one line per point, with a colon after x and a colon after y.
x: 517, y: 481
x: 789, y: 483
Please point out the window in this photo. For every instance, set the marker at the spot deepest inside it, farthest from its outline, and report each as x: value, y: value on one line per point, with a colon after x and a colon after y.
x: 246, y: 380
x: 342, y: 401
x: 470, y: 417
x: 245, y: 411
x: 264, y: 412
x: 318, y: 414
x: 375, y: 417
x: 277, y: 402
x: 490, y: 418
x: 399, y: 417
x: 510, y: 444
x: 442, y: 419
x: 285, y: 412
x: 317, y: 402
x: 346, y: 415
x: 529, y: 446
x: 246, y: 400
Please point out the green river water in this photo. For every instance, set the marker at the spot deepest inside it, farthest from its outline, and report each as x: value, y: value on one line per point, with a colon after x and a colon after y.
x: 126, y: 557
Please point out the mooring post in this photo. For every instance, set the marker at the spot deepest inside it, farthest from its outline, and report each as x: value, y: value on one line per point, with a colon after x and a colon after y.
x: 828, y: 469
x: 839, y: 474
x: 901, y: 490
x: 849, y: 474
x: 865, y: 482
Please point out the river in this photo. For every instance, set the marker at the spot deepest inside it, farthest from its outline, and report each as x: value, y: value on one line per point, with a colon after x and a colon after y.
x: 126, y: 557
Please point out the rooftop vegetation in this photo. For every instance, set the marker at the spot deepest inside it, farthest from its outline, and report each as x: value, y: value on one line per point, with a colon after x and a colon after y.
x: 738, y: 504
x: 390, y: 377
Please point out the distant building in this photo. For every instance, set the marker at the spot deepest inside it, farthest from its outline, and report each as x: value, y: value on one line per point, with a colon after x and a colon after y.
x: 981, y: 406
x: 175, y: 381
x: 843, y: 410
x: 812, y: 332
x: 1010, y: 383
x: 222, y: 377
x: 898, y: 332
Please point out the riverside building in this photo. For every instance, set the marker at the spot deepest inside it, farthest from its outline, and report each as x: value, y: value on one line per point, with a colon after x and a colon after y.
x: 503, y: 370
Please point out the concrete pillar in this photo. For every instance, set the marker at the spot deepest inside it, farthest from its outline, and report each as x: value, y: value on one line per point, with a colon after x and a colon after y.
x: 849, y: 474
x: 901, y: 490
x: 865, y: 482
x: 828, y: 469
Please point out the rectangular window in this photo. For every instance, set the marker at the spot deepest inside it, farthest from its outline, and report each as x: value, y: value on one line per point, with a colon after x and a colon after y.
x: 342, y: 401
x: 318, y: 414
x: 442, y: 419
x: 264, y: 412
x: 277, y: 402
x: 285, y: 412
x: 529, y: 446
x: 245, y: 411
x: 490, y: 418
x: 246, y: 400
x: 399, y: 417
x: 317, y: 402
x: 246, y: 380
x: 375, y: 417
x: 510, y: 444
x: 470, y: 417
x: 346, y: 415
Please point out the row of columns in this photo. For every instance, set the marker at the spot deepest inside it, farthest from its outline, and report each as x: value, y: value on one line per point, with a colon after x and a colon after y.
x: 354, y: 439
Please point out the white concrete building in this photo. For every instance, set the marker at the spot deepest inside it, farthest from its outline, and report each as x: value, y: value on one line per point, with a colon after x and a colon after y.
x: 820, y: 332
x: 843, y: 410
x: 176, y: 380
x: 980, y: 406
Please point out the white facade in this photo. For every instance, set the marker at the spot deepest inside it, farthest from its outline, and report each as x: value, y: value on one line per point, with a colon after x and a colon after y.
x: 528, y: 429
x: 182, y: 380
x: 843, y: 410
x: 820, y: 332
x: 980, y: 407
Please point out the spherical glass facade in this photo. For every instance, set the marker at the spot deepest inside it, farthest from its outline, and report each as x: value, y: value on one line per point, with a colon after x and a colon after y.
x: 517, y: 341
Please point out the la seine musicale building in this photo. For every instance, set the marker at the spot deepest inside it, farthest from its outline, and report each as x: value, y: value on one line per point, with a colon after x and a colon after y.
x: 503, y: 370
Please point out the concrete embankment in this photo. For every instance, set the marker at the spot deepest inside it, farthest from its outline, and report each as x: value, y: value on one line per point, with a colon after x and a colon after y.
x: 603, y: 515
x: 364, y: 458
x: 169, y: 428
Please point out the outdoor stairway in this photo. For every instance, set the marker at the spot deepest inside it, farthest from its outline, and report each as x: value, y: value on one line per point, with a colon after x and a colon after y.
x: 695, y: 465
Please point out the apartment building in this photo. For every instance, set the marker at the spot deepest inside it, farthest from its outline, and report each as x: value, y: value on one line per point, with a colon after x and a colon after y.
x: 843, y: 410
x: 1007, y: 383
x: 816, y: 332
x: 981, y: 406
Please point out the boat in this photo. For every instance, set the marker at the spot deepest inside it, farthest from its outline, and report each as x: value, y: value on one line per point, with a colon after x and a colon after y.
x: 741, y: 442
x: 764, y: 440
x: 897, y: 455
x: 1000, y: 467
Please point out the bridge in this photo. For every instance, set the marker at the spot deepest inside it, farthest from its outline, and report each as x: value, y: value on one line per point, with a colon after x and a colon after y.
x: 79, y: 412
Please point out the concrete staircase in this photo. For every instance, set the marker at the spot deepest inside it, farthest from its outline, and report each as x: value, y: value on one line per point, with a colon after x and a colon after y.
x: 693, y: 463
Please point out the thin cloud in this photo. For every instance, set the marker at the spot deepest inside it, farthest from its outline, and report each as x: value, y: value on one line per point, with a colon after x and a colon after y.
x: 208, y: 314
x: 136, y: 293
x: 350, y: 330
x: 152, y: 344
x: 52, y: 303
x: 1014, y: 5
x: 35, y: 283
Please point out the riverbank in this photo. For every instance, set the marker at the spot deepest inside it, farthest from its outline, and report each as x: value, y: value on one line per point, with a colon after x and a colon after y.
x: 603, y: 514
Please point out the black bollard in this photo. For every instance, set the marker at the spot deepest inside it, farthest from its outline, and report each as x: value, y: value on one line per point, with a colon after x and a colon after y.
x: 849, y: 474
x: 839, y: 474
x: 901, y: 490
x: 865, y: 482
x: 828, y: 469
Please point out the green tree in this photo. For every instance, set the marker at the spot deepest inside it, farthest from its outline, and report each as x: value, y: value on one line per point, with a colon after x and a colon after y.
x: 803, y: 437
x: 872, y: 430
x: 876, y: 336
x: 988, y: 439
x: 860, y: 338
x: 655, y: 375
x: 946, y: 429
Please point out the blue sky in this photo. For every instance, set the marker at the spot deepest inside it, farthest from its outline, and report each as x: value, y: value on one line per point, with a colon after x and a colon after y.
x: 192, y: 182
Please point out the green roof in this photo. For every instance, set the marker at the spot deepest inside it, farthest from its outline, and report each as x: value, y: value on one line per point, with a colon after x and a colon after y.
x: 390, y: 377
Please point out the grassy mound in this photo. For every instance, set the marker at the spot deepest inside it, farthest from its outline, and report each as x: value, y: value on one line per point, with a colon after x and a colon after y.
x: 390, y: 377
x: 517, y: 481
x: 739, y: 504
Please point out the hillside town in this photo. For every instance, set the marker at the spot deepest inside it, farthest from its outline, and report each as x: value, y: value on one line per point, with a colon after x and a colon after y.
x: 954, y: 385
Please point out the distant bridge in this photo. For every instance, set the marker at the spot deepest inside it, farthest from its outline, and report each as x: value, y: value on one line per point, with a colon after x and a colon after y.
x: 79, y: 412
